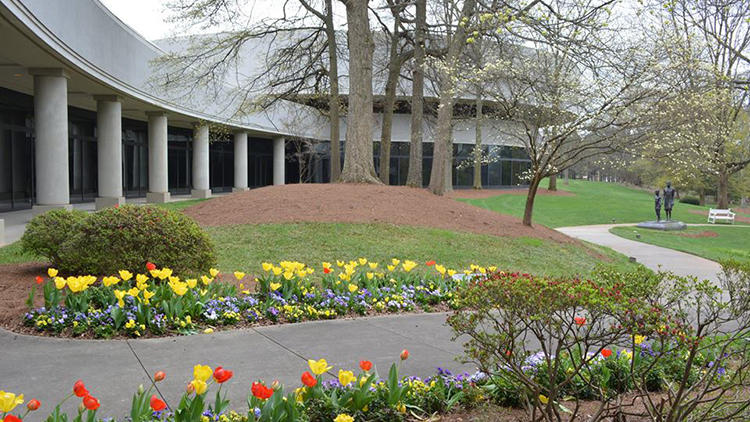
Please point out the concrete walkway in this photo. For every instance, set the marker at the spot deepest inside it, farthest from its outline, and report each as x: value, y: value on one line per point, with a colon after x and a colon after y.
x: 46, y: 368
x: 653, y: 257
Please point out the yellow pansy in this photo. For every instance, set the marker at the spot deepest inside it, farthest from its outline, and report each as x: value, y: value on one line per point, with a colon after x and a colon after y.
x: 214, y: 272
x: 205, y: 280
x: 638, y: 339
x: 192, y: 282
x: 318, y: 366
x: 343, y: 418
x: 120, y: 294
x: 239, y: 275
x: 141, y: 278
x: 353, y: 288
x: 274, y: 286
x: 199, y: 386
x: 110, y: 281
x: 52, y: 272
x: 125, y: 275
x: 202, y: 372
x: 346, y: 377
x: 267, y: 266
x: 59, y: 283
x: 408, y: 265
x: 8, y: 401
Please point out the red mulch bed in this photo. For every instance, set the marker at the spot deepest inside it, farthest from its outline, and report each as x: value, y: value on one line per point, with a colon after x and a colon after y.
x: 353, y: 203
x: 488, y: 193
x: 16, y: 281
x: 705, y: 233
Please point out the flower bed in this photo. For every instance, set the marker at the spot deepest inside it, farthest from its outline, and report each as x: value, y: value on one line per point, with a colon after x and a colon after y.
x: 159, y: 302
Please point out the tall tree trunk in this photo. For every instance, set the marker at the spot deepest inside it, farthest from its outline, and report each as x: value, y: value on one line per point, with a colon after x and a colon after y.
x: 701, y: 196
x: 552, y: 183
x: 334, y: 103
x: 566, y: 174
x: 442, y: 160
x: 478, y: 144
x: 414, y: 177
x: 358, y: 160
x: 394, y: 69
x: 530, y: 196
x: 722, y: 193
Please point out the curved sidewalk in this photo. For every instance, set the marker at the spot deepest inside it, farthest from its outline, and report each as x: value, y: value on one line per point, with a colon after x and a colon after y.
x: 653, y: 257
x: 46, y: 368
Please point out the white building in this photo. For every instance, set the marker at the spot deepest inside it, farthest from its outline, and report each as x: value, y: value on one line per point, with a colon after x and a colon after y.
x: 80, y: 120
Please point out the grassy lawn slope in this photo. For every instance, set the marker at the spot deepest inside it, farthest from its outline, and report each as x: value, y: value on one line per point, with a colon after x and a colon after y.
x: 711, y: 242
x: 591, y: 203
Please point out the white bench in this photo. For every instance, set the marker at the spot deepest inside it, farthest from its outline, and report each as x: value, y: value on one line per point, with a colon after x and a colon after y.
x: 720, y: 215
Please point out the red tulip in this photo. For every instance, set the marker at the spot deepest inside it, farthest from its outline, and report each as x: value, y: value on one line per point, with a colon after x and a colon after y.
x: 308, y: 379
x: 157, y: 404
x: 580, y: 321
x: 33, y: 405
x: 39, y: 279
x: 79, y: 389
x: 222, y: 375
x: 159, y: 376
x: 404, y: 354
x: 11, y: 418
x: 327, y: 270
x: 261, y: 391
x: 190, y: 388
x: 606, y: 353
x: 430, y: 263
x: 366, y: 365
x: 150, y: 266
x: 90, y: 403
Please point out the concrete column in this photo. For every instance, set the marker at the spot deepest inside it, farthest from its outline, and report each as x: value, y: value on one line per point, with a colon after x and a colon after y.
x: 51, y: 149
x: 201, y: 188
x: 279, y: 164
x: 109, y: 151
x: 158, y: 189
x: 240, y: 162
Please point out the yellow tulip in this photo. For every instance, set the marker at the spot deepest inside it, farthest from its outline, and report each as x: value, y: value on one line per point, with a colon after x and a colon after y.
x: 8, y: 401
x: 140, y: 278
x: 408, y: 265
x: 353, y: 288
x: 327, y: 265
x: 345, y: 277
x: 77, y: 284
x: 401, y: 408
x: 59, y: 283
x: 191, y: 282
x: 165, y: 273
x: 395, y: 261
x: 274, y: 286
x: 362, y: 261
x: 277, y: 270
x: 492, y: 268
x: 318, y: 367
x: 391, y: 267
x: 543, y: 399
x: 133, y: 292
x: 147, y: 295
x: 110, y: 281
x: 202, y: 372
x: 179, y: 288
x: 120, y: 294
x: 239, y: 275
x: 125, y: 275
x: 440, y: 269
x: 267, y: 266
x: 451, y: 273
x: 52, y: 272
x: 199, y: 386
x: 155, y: 273
x: 373, y: 265
x: 205, y: 280
x: 288, y: 275
x: 339, y: 263
x: 214, y: 272
x: 346, y: 377
x: 208, y: 331
x: 343, y: 418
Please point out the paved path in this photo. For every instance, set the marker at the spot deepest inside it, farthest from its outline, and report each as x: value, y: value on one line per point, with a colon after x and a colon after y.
x: 654, y: 257
x: 46, y: 368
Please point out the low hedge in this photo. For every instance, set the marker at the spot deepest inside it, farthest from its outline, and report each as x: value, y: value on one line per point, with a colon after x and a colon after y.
x: 119, y: 238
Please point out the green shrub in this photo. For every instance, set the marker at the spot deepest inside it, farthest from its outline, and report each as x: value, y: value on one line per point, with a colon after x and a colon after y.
x: 690, y: 200
x: 128, y: 236
x: 46, y: 232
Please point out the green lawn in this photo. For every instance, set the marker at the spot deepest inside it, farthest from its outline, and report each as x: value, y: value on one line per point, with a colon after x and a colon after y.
x: 180, y: 205
x: 592, y: 203
x: 245, y: 247
x: 731, y: 242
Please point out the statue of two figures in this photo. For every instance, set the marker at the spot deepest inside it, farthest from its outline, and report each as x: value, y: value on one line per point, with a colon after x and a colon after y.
x: 668, y: 199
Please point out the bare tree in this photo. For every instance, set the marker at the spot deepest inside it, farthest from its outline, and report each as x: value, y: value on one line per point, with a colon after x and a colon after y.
x: 414, y: 177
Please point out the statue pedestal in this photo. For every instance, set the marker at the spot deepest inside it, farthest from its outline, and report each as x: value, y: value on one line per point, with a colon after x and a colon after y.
x: 663, y: 225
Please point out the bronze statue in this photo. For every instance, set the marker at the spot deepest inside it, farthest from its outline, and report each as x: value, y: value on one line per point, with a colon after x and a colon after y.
x: 657, y: 205
x: 669, y: 194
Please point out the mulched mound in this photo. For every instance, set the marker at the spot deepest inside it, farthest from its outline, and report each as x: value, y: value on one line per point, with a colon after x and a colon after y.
x: 488, y: 193
x: 16, y: 281
x: 360, y: 203
x: 704, y: 233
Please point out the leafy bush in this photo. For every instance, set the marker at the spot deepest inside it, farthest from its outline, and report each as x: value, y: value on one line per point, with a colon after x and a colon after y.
x: 690, y: 200
x: 129, y: 236
x: 46, y: 232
